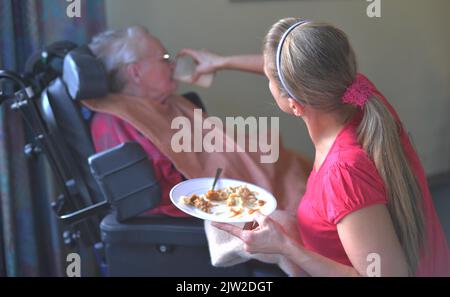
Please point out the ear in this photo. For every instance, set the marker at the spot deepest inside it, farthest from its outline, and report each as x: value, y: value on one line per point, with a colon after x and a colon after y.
x: 297, y: 108
x: 134, y: 72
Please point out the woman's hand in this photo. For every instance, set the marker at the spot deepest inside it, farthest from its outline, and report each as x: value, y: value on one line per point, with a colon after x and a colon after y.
x: 207, y: 62
x: 268, y: 238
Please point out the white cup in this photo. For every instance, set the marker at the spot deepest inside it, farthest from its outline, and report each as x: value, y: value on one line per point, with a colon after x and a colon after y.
x: 185, y: 68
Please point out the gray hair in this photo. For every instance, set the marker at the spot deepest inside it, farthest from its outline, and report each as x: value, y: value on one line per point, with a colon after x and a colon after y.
x: 116, y: 49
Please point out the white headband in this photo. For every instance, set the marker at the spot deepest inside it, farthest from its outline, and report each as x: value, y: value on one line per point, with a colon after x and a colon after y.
x: 278, y: 58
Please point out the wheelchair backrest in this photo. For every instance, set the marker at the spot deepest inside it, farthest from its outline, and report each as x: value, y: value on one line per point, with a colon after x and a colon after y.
x: 83, y: 77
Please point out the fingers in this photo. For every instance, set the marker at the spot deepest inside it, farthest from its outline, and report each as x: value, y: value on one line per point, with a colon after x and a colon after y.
x: 189, y: 52
x: 196, y: 75
x: 184, y: 52
x: 260, y: 218
x: 245, y: 236
x: 233, y: 230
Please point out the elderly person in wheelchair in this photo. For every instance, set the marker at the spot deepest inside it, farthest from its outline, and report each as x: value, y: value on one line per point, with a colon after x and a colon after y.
x: 142, y: 106
x: 137, y: 64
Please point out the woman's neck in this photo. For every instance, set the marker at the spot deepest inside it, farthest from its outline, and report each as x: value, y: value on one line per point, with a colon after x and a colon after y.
x: 323, y: 129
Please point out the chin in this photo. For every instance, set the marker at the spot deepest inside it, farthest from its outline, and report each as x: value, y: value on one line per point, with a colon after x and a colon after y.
x: 285, y: 108
x: 174, y: 86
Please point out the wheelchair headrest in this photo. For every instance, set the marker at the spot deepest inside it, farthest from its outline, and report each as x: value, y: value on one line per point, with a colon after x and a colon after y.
x: 84, y: 75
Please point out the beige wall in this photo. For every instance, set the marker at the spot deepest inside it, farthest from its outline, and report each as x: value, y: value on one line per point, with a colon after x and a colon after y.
x: 406, y: 53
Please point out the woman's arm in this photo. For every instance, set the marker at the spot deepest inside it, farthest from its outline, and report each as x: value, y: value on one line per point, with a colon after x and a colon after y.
x: 270, y: 237
x: 209, y: 62
x: 248, y: 63
x: 365, y: 232
x: 362, y: 233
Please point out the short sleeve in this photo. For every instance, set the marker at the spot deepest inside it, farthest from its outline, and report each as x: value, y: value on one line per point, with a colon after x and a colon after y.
x: 350, y: 187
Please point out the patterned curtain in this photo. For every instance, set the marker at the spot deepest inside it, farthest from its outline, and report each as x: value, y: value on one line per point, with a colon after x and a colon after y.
x: 30, y: 239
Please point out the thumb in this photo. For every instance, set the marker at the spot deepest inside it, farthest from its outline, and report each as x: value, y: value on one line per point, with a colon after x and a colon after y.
x: 260, y: 218
x: 196, y: 75
x: 188, y: 52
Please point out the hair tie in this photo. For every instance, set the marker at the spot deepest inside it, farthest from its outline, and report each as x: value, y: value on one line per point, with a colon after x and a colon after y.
x: 358, y: 92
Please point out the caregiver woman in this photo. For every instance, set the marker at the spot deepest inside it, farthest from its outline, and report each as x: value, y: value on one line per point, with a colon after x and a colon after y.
x: 367, y: 200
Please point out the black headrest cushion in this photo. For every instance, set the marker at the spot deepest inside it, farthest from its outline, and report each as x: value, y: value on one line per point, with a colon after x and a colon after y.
x: 84, y: 75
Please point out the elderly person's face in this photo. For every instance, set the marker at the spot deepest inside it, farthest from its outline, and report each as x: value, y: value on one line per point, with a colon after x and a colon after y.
x: 152, y: 74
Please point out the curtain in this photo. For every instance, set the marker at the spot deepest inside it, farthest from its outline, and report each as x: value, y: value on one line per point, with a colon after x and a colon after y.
x: 30, y: 237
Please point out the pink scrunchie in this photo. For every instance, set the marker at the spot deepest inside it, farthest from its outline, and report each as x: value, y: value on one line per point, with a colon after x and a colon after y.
x: 358, y: 92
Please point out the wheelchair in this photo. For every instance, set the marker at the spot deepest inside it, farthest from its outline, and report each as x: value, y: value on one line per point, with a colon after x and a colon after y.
x: 104, y: 194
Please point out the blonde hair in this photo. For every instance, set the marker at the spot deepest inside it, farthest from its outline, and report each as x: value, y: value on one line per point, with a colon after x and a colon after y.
x: 318, y: 65
x: 116, y: 49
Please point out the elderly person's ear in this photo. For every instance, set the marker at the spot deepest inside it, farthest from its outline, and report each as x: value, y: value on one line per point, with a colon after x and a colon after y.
x: 134, y: 73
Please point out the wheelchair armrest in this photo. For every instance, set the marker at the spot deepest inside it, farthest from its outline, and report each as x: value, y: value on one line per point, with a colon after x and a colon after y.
x: 154, y: 230
x: 126, y: 178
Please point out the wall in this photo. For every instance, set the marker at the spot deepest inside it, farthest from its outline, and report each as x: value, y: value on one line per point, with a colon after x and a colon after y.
x: 406, y: 53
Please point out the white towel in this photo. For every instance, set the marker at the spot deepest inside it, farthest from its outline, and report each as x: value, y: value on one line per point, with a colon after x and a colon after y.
x: 227, y: 250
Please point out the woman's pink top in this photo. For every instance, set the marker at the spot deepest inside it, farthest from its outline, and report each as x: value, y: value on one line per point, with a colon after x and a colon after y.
x: 348, y: 181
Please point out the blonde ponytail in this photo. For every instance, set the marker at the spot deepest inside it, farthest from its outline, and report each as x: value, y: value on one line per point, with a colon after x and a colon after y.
x: 378, y: 135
